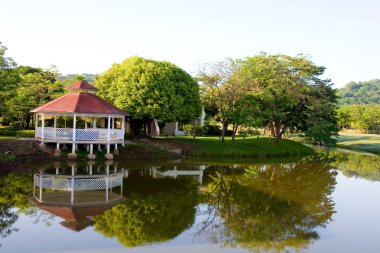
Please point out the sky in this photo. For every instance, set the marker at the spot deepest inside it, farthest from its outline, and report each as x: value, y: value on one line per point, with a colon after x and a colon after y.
x: 88, y: 36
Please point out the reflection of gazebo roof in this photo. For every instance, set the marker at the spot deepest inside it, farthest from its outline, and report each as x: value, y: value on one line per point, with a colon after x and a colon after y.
x: 79, y: 102
x: 77, y: 216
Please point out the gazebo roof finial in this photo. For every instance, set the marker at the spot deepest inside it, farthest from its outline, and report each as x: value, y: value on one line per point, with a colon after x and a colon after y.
x: 81, y: 86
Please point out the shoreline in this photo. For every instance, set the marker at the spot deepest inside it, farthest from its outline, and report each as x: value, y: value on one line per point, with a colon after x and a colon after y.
x: 15, y: 152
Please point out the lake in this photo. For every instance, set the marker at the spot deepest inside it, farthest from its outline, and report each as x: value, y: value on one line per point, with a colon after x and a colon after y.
x: 321, y: 203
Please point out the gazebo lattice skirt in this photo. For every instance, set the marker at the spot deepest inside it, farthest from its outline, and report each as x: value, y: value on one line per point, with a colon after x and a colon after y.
x: 64, y: 134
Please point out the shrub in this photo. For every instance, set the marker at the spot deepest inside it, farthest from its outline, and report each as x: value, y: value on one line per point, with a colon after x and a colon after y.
x: 15, y: 124
x: 4, y: 121
x: 7, y: 132
x: 243, y: 133
x: 194, y: 130
x: 213, y: 130
x: 228, y: 132
x: 25, y: 133
x: 252, y: 132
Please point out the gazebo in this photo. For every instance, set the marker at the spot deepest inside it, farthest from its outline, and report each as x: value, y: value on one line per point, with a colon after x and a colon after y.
x: 77, y: 197
x: 80, y: 117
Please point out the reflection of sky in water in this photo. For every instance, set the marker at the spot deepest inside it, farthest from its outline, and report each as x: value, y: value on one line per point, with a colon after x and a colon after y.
x: 355, y: 228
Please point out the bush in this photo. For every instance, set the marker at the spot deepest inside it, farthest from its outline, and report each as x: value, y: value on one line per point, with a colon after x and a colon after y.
x: 17, y: 133
x: 25, y: 133
x: 194, y: 130
x: 213, y: 130
x: 15, y: 124
x: 4, y: 121
x: 252, y: 132
x: 228, y: 132
x: 7, y: 132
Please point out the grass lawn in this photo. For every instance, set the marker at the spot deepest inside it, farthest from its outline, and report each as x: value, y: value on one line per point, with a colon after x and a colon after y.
x: 7, y: 138
x: 251, y: 147
x: 365, y: 142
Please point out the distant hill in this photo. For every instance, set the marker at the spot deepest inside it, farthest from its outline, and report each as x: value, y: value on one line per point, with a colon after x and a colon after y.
x: 71, y: 77
x: 360, y: 93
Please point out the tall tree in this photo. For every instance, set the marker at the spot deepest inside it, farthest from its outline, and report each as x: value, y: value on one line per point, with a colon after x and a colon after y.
x: 8, y: 76
x: 35, y: 87
x: 287, y: 91
x: 149, y: 89
x: 224, y: 92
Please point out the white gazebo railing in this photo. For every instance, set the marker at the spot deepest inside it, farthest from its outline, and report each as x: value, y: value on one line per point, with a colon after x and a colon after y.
x: 78, y: 183
x: 90, y: 134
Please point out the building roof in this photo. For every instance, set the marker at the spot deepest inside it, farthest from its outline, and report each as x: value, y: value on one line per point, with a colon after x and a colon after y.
x: 81, y: 85
x: 79, y: 102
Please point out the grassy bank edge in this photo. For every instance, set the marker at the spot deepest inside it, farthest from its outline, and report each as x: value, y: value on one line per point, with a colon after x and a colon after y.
x: 251, y: 147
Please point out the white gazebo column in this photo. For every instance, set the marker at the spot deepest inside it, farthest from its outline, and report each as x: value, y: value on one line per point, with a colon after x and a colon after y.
x: 91, y: 155
x: 36, y: 124
x: 73, y: 155
x: 90, y: 164
x: 55, y: 126
x: 42, y: 144
x: 41, y: 185
x: 57, y: 151
x: 107, y: 180
x: 72, y: 183
x: 116, y: 151
x: 123, y: 130
x: 108, y: 155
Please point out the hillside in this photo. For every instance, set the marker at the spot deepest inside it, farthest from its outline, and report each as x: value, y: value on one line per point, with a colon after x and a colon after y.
x: 71, y: 77
x: 360, y: 93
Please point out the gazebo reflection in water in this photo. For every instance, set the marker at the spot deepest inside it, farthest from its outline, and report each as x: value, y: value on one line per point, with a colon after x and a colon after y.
x: 77, y: 196
x: 77, y: 193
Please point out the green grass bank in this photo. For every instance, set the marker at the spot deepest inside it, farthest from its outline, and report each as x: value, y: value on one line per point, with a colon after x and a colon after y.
x: 250, y: 147
x: 363, y: 142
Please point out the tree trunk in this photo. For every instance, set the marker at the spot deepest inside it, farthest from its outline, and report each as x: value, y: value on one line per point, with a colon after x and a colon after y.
x: 27, y: 121
x: 234, y: 130
x: 223, y: 130
x: 278, y: 132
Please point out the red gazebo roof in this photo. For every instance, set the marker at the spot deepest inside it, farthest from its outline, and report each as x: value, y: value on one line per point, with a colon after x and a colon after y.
x: 81, y: 85
x: 79, y: 102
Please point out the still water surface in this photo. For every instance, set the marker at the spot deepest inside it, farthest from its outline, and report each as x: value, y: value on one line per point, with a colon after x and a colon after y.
x: 313, y: 204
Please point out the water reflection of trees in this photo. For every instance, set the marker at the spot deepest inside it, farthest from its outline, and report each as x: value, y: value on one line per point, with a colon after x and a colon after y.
x: 15, y: 188
x: 358, y: 165
x: 7, y: 218
x: 270, y: 207
x: 156, y: 210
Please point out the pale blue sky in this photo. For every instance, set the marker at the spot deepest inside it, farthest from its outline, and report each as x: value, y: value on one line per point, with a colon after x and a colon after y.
x: 81, y: 36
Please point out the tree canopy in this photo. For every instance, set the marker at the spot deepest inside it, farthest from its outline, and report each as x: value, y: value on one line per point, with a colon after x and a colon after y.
x: 34, y: 88
x: 288, y: 94
x: 359, y: 117
x: 150, y: 89
x: 224, y: 94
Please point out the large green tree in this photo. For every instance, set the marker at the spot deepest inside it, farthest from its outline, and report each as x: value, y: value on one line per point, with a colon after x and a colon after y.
x: 149, y: 89
x: 223, y: 92
x: 8, y: 76
x: 34, y: 88
x: 288, y: 94
x: 363, y: 117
